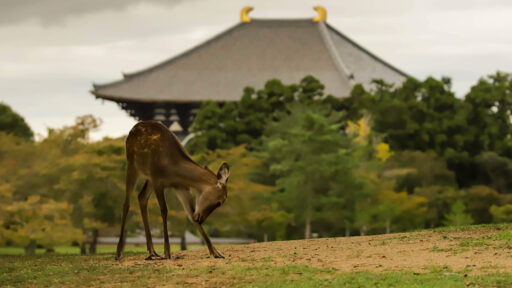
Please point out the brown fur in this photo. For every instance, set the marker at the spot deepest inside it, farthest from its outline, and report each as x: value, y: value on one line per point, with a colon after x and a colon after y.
x: 155, y: 153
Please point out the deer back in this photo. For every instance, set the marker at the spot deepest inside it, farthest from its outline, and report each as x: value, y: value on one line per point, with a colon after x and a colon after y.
x: 158, y: 154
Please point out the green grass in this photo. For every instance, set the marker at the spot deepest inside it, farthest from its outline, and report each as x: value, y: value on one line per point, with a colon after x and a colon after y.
x: 501, y: 240
x: 101, y: 270
x: 475, y: 243
x: 503, y: 235
x: 470, y: 227
x: 101, y: 249
x: 498, y: 240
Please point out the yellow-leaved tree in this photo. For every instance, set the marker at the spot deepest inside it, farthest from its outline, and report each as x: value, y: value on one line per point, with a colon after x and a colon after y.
x: 385, y: 209
x: 38, y: 222
x: 362, y: 134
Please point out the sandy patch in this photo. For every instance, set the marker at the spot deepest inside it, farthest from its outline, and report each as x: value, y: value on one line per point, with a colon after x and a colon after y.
x: 475, y: 251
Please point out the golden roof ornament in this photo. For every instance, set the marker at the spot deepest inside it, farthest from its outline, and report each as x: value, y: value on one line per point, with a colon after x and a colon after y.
x: 244, y: 14
x: 322, y: 14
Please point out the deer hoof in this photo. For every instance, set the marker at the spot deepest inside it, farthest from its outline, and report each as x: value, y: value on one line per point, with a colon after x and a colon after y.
x: 154, y: 257
x: 118, y: 258
x: 218, y: 255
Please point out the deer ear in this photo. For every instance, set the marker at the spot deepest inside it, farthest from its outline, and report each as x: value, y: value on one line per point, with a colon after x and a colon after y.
x: 223, y: 173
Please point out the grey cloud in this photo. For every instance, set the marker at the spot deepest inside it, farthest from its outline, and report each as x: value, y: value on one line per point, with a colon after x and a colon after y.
x: 51, y: 50
x: 53, y: 11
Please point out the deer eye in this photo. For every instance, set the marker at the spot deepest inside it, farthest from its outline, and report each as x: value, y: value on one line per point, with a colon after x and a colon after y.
x: 218, y: 204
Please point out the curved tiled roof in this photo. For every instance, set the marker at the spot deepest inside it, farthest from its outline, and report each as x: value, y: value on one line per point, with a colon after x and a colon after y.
x: 249, y: 54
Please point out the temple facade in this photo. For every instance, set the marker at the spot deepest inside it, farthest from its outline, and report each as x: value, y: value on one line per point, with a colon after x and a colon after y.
x: 247, y: 54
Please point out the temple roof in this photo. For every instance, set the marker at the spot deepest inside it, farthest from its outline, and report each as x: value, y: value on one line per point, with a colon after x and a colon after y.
x: 249, y: 54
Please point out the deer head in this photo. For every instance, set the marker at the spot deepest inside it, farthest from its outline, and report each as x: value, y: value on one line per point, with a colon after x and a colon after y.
x: 213, y: 196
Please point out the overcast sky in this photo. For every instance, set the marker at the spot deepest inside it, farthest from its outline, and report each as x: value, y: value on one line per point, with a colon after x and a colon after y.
x: 52, y: 50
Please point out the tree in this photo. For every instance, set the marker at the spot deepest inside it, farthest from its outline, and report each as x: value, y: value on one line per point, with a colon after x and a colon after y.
x: 37, y: 222
x: 400, y: 210
x: 382, y: 210
x: 271, y: 220
x: 12, y: 123
x: 66, y: 168
x: 457, y: 215
x: 490, y: 102
x: 423, y: 116
x: 494, y: 171
x: 235, y: 218
x: 501, y: 214
x: 308, y: 158
x: 93, y: 181
x: 413, y: 169
x: 418, y: 116
x: 440, y: 199
x: 478, y: 200
x: 208, y: 127
x: 230, y: 124
x: 16, y: 154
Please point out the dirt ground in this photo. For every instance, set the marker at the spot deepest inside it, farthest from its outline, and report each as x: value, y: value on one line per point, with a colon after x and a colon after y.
x: 477, y: 251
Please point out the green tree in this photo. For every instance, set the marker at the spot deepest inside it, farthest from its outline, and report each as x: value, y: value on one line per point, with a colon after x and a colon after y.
x: 271, y: 220
x: 426, y: 116
x: 228, y: 125
x: 400, y: 211
x: 12, y: 123
x: 478, y: 200
x: 423, y: 116
x: 457, y: 215
x: 208, y: 126
x: 309, y: 160
x: 418, y: 116
x: 439, y: 201
x: 501, y: 214
x: 413, y: 169
x: 490, y: 102
x: 494, y: 171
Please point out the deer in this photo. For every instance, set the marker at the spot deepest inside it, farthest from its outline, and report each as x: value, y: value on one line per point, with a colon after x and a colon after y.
x: 155, y: 154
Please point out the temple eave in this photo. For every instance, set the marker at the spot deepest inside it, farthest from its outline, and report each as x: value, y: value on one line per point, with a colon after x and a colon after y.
x: 116, y: 98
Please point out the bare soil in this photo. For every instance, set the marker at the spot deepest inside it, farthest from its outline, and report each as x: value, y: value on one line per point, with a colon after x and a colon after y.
x: 475, y: 251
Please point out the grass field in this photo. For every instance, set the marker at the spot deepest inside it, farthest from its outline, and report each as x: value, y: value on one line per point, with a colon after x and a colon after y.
x: 101, y: 249
x: 468, y: 257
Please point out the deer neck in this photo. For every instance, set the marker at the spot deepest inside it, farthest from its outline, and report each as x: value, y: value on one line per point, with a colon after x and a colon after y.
x: 196, y: 176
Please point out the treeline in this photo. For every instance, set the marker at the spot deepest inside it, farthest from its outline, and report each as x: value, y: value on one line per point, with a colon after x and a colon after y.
x: 303, y: 164
x: 66, y: 190
x: 58, y: 190
x: 381, y: 160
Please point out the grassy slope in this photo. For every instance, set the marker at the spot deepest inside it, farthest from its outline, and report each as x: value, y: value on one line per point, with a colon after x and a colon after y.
x: 192, y: 269
x: 43, y: 271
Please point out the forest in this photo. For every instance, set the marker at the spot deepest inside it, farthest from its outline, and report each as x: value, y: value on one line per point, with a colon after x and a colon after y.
x: 303, y: 164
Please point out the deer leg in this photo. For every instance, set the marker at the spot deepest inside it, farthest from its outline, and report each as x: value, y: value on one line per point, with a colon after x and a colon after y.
x: 143, y: 203
x: 187, y: 201
x: 213, y: 251
x: 159, y: 191
x: 131, y: 180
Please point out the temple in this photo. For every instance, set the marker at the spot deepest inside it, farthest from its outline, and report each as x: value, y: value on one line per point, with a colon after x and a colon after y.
x: 247, y: 54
